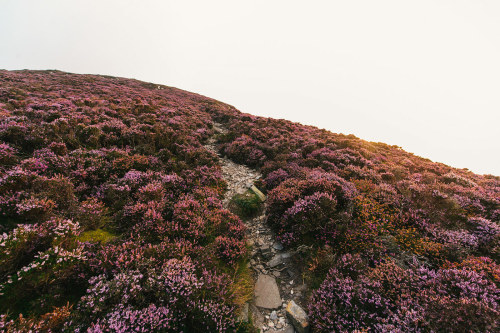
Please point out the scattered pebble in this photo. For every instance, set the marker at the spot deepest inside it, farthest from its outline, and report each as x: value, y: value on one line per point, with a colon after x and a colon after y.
x: 273, y: 316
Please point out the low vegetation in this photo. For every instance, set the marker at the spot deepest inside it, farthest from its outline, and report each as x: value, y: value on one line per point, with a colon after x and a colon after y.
x: 112, y: 220
x: 246, y: 205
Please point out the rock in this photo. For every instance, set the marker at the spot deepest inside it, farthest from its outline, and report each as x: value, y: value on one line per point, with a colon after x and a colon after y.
x: 257, y: 317
x: 277, y: 246
x: 267, y: 294
x: 302, y: 287
x: 258, y: 193
x: 243, y: 317
x: 289, y: 329
x: 275, y: 261
x: 278, y: 259
x: 298, y: 317
x: 273, y: 315
x: 265, y: 250
x: 286, y: 255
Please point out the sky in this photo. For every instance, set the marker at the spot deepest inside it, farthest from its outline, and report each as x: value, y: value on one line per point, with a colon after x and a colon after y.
x: 423, y: 75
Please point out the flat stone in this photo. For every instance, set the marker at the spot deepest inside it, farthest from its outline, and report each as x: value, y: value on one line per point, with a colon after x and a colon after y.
x: 289, y: 329
x: 243, y: 317
x: 257, y: 317
x: 298, y: 317
x: 275, y: 261
x: 267, y: 294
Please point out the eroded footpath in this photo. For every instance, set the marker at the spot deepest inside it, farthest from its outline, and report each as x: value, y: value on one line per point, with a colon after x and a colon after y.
x: 278, y: 285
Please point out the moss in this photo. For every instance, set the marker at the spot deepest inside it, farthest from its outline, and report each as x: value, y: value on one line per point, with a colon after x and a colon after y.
x: 245, y: 205
x: 96, y: 236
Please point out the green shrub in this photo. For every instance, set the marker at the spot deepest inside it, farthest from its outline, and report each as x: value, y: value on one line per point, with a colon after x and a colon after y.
x: 246, y: 205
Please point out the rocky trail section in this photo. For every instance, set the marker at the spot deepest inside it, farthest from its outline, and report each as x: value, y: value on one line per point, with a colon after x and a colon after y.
x: 278, y: 289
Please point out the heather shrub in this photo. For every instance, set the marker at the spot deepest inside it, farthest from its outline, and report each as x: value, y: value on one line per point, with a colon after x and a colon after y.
x: 32, y: 209
x: 59, y: 189
x: 7, y: 155
x: 223, y: 222
x: 179, y: 297
x: 404, y: 239
x: 486, y: 232
x: 302, y: 209
x: 20, y: 245
x: 309, y: 218
x: 53, y: 321
x: 276, y: 177
x: 244, y: 150
x: 388, y: 297
x: 229, y: 249
x: 92, y: 214
x: 49, y: 280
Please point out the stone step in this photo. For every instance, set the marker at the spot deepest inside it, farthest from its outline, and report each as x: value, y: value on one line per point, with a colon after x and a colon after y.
x: 267, y: 294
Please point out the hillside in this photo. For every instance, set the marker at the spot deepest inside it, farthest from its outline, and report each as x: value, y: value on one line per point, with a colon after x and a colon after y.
x: 122, y: 208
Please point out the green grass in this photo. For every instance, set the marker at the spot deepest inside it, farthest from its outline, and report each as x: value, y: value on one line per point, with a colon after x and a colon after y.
x: 245, y: 205
x: 96, y: 236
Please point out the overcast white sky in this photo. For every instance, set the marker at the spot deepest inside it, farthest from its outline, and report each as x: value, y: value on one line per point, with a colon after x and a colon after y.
x: 424, y: 75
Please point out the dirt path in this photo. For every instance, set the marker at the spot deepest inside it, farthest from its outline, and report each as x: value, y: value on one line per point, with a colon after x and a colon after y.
x: 277, y: 282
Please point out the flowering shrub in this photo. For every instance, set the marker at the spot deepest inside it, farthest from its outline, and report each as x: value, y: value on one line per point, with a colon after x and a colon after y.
x: 339, y: 195
x: 302, y: 209
x: 173, y: 298
x: 92, y: 214
x: 7, y: 155
x: 243, y: 150
x: 104, y: 182
x: 111, y: 216
x: 389, y: 298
